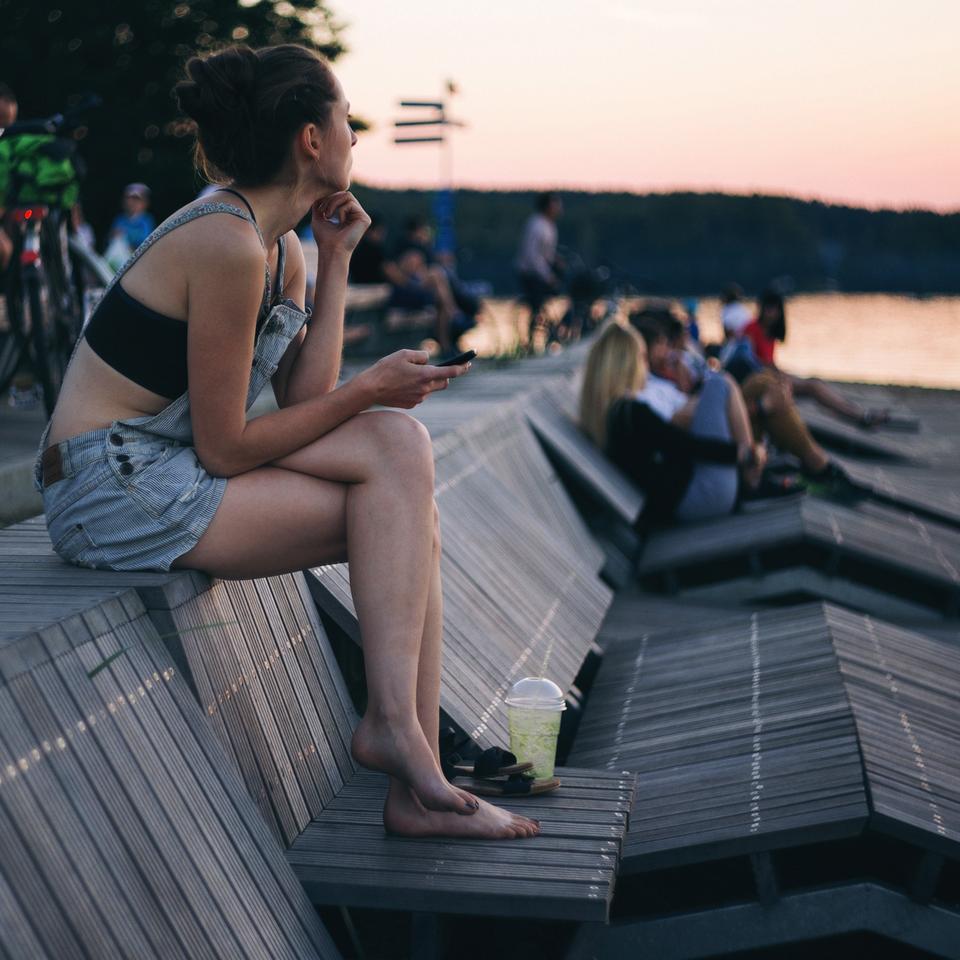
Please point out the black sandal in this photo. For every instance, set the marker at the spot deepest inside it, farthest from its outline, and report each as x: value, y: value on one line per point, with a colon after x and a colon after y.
x: 493, y: 762
x: 516, y: 785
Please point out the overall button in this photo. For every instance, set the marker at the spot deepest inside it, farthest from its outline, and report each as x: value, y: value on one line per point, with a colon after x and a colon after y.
x: 122, y: 458
x: 126, y: 469
x: 116, y: 439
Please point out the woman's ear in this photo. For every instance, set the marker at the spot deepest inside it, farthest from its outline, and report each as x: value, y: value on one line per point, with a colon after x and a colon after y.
x: 310, y: 140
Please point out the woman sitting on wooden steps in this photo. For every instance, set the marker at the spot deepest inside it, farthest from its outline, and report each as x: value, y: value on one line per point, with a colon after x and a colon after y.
x: 149, y: 461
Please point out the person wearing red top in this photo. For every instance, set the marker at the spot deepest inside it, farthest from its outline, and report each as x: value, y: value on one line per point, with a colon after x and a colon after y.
x: 770, y: 327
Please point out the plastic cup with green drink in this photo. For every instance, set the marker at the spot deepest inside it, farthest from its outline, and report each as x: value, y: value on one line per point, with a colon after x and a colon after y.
x: 534, y: 706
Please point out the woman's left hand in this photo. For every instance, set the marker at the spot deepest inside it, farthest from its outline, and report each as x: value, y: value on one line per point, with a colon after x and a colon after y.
x: 338, y: 223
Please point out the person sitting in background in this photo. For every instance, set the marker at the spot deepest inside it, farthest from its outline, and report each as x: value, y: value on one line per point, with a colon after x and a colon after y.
x: 420, y: 286
x: 734, y: 313
x: 769, y: 328
x: 769, y: 401
x: 136, y: 223
x: 686, y: 474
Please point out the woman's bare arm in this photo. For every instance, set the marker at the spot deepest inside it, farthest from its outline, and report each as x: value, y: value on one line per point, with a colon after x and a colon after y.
x: 225, y: 279
x: 317, y: 364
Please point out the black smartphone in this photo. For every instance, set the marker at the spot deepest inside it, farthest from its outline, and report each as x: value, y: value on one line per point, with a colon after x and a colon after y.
x: 456, y: 361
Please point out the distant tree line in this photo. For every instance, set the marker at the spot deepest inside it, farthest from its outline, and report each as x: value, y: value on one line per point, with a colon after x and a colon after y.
x: 680, y: 243
x: 130, y: 53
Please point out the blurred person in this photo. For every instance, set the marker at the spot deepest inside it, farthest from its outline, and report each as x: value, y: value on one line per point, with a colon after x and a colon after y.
x: 734, y: 313
x: 419, y: 284
x: 769, y: 328
x: 150, y: 462
x: 536, y: 263
x: 768, y: 399
x: 135, y: 223
x: 686, y: 474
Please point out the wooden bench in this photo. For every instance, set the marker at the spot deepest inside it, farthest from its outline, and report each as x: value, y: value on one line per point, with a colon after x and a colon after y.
x: 267, y: 681
x: 887, y: 550
x: 124, y: 829
x: 819, y: 735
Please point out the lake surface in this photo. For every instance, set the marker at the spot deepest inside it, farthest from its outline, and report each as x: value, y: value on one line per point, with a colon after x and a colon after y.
x: 872, y: 338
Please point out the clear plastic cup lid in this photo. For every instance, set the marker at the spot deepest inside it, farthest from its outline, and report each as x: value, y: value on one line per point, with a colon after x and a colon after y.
x: 536, y: 693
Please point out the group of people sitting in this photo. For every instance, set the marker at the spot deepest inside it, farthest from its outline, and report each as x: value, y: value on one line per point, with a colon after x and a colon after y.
x: 425, y: 288
x: 693, y: 433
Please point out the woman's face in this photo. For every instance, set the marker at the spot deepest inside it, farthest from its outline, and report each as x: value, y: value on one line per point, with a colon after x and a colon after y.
x: 337, y: 141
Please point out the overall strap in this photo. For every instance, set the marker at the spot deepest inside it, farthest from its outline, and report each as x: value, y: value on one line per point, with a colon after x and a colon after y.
x: 281, y: 263
x: 178, y: 220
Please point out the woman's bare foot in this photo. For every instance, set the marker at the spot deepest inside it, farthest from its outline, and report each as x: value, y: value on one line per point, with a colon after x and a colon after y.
x: 403, y: 814
x: 402, y: 752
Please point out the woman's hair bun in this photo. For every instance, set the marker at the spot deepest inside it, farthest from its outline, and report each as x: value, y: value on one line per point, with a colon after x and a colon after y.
x: 221, y: 83
x: 248, y: 103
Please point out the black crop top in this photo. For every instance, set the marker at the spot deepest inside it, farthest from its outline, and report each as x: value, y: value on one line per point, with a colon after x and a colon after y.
x: 150, y: 348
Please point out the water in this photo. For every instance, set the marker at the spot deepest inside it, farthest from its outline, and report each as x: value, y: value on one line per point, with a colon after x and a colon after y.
x: 871, y: 338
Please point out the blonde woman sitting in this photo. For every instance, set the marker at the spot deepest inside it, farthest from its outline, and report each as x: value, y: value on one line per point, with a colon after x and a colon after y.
x: 686, y: 474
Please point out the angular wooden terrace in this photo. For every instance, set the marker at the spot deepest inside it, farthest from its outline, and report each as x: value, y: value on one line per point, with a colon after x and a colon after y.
x: 747, y: 771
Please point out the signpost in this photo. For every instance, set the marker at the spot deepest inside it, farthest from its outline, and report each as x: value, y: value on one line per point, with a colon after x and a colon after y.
x: 443, y: 206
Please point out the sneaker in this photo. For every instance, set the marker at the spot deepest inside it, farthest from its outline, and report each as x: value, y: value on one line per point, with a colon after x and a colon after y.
x: 834, y: 483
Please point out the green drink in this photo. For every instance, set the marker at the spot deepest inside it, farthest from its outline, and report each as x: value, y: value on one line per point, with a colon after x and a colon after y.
x: 534, y: 706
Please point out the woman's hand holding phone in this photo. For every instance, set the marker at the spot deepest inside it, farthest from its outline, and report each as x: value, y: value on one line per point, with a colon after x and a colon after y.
x: 405, y: 379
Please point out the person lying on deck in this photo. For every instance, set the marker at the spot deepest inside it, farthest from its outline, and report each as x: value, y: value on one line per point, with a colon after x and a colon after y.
x: 150, y: 463
x: 672, y: 389
x: 686, y: 474
x: 769, y: 328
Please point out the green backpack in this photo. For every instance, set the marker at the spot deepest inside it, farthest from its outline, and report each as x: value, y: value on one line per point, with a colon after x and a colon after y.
x: 37, y: 168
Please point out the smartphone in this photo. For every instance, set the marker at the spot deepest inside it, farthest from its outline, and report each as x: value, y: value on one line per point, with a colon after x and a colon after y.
x: 456, y: 361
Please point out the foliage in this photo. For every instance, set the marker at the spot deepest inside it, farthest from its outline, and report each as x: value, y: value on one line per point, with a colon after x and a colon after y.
x: 131, y: 53
x: 695, y: 243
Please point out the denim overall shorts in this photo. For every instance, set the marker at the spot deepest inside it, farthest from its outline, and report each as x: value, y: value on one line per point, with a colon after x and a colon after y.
x: 134, y: 495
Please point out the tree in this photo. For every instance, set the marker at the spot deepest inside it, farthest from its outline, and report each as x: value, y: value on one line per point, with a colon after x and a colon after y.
x: 131, y: 53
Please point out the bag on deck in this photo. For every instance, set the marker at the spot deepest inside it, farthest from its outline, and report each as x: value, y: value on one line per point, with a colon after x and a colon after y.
x: 37, y: 168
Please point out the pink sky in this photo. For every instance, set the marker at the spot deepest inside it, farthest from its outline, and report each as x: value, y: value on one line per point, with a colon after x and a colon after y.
x: 845, y: 100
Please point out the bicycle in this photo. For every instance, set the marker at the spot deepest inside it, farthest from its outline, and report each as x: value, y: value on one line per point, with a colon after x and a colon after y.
x: 44, y: 281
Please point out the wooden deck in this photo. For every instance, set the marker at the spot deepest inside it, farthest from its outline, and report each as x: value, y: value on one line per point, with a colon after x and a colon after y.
x: 125, y: 830
x: 758, y: 734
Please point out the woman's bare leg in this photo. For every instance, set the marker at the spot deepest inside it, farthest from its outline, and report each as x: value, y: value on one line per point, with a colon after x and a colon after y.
x: 277, y: 520
x: 384, y: 516
x: 403, y: 813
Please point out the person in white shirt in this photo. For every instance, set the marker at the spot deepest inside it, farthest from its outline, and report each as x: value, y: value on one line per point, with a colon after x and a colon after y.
x: 735, y: 315
x: 536, y: 261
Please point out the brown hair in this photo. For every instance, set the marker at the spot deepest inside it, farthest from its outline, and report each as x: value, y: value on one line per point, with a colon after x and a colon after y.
x: 247, y: 105
x: 616, y: 366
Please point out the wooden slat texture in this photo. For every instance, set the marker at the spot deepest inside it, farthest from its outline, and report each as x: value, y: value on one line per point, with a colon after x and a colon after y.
x: 271, y: 692
x: 757, y: 731
x: 124, y: 830
x: 875, y: 536
x: 739, y: 731
x: 567, y: 871
x: 904, y: 689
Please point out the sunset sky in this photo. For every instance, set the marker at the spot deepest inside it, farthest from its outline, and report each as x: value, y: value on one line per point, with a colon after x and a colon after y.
x: 843, y: 100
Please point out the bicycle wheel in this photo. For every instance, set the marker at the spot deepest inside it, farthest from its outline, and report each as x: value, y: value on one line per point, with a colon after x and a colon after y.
x: 55, y: 318
x: 13, y: 340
